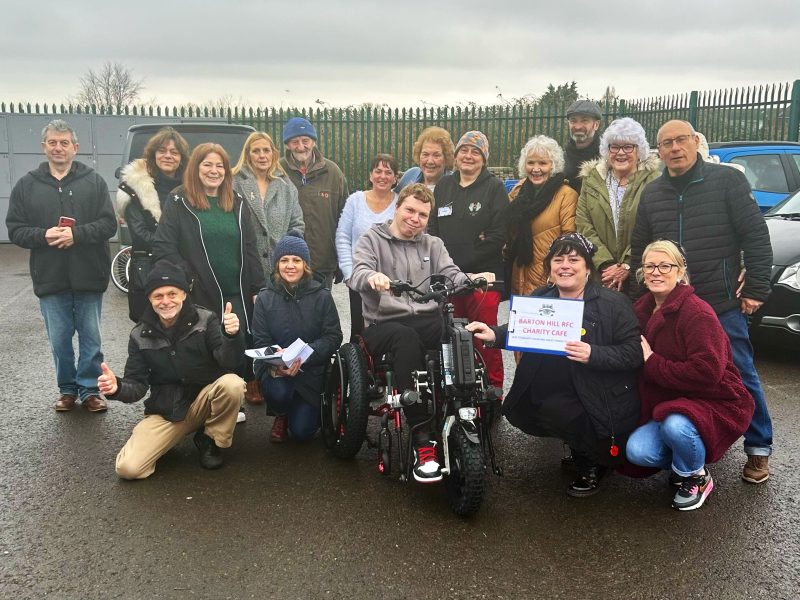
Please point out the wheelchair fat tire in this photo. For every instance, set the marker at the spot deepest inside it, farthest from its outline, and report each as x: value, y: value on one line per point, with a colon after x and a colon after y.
x: 466, y: 482
x: 345, y: 406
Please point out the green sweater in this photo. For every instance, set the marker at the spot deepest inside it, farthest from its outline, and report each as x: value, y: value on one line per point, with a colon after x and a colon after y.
x: 221, y: 240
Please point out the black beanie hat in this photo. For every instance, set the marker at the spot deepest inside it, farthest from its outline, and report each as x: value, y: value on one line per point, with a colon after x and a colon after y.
x: 166, y: 273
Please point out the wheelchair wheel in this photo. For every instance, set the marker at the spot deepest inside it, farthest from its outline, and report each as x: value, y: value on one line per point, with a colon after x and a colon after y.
x: 466, y: 481
x: 345, y: 406
x: 120, y: 269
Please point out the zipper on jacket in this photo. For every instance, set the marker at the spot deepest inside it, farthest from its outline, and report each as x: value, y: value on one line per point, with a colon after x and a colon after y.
x: 680, y: 209
x: 205, y: 252
x: 241, y: 271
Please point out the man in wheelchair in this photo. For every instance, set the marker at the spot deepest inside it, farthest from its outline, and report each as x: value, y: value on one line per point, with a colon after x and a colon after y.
x: 400, y: 249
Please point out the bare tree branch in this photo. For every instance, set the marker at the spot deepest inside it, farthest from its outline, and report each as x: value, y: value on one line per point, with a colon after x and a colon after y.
x: 113, y: 85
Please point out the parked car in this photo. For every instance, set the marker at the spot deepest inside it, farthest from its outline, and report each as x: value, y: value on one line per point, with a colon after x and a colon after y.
x: 231, y: 137
x: 772, y: 168
x: 778, y: 321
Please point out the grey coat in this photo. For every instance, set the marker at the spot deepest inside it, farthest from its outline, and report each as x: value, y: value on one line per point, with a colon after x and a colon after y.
x: 275, y: 215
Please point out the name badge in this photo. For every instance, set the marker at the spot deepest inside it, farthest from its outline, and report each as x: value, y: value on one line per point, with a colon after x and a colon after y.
x: 445, y: 211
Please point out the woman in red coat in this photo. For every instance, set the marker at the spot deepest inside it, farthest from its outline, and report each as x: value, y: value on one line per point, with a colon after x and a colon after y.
x: 694, y: 404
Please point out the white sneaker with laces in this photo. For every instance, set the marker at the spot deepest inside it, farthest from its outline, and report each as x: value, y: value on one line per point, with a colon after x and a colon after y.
x: 426, y: 465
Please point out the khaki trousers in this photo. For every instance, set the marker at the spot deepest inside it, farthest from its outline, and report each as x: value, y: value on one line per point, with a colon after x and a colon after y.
x: 216, y: 406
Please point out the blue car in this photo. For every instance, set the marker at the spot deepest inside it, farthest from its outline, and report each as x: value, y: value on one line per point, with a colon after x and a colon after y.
x: 772, y: 168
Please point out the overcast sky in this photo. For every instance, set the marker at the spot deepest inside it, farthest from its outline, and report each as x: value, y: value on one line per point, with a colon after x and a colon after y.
x: 405, y: 53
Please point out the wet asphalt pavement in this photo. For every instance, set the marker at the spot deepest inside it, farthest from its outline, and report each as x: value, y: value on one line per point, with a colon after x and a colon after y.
x: 289, y: 521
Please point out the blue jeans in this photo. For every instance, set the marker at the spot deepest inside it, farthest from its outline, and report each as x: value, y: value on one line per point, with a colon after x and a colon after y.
x: 673, y: 443
x: 758, y: 437
x: 303, y: 417
x: 65, y: 314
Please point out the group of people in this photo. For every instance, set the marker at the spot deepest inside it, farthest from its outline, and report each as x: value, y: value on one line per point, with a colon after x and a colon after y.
x: 225, y: 258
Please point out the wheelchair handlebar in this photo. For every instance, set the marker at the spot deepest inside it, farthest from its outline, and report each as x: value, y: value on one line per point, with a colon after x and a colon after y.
x: 438, y: 290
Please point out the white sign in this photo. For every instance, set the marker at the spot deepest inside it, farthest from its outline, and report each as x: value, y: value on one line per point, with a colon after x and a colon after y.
x: 545, y: 325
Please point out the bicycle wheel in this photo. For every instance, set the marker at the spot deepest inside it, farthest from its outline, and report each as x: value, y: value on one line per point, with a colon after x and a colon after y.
x: 120, y: 269
x: 345, y: 406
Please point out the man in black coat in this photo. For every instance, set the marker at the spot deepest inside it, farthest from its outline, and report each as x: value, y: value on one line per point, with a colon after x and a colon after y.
x: 182, y: 354
x: 62, y: 213
x: 583, y: 120
x: 710, y: 210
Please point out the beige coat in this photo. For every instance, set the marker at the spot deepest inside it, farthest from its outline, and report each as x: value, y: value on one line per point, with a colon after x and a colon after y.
x: 557, y: 218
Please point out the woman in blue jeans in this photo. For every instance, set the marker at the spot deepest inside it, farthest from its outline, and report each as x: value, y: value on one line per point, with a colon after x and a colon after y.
x: 694, y: 404
x: 294, y: 305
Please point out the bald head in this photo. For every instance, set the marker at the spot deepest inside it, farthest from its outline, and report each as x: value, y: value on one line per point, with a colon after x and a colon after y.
x: 677, y: 146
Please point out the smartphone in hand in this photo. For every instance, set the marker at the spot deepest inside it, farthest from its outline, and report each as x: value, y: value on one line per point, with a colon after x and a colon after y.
x: 66, y: 222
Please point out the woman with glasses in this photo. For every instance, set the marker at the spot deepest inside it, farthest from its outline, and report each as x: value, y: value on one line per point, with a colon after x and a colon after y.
x: 694, y: 404
x: 612, y: 186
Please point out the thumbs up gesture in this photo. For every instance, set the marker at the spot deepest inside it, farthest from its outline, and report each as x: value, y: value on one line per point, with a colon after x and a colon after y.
x: 107, y: 382
x: 230, y: 322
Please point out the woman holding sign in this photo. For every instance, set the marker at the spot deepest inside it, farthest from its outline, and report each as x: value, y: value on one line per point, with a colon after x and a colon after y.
x: 295, y: 306
x: 694, y: 404
x: 586, y: 394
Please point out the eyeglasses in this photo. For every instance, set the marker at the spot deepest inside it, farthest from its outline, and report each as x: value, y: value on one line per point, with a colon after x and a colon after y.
x: 617, y: 148
x: 669, y: 142
x: 663, y: 268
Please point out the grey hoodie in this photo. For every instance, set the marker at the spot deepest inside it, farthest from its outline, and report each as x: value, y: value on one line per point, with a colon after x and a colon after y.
x: 378, y: 251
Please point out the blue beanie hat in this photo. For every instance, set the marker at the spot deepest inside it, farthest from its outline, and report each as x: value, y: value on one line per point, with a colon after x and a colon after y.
x: 292, y: 244
x: 297, y: 126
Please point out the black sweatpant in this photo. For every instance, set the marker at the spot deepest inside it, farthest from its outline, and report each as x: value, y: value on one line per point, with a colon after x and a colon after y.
x: 407, y: 339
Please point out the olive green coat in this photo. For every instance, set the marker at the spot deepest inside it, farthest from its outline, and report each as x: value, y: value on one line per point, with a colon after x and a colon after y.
x: 594, y: 218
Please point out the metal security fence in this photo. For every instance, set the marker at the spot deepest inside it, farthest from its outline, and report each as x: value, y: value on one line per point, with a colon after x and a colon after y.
x: 352, y: 136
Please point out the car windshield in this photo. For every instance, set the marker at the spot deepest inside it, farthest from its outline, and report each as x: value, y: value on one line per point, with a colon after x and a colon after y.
x: 232, y: 141
x: 789, y: 207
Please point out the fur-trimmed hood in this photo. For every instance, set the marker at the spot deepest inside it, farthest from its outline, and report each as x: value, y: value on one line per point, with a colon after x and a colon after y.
x: 651, y: 163
x: 135, y: 176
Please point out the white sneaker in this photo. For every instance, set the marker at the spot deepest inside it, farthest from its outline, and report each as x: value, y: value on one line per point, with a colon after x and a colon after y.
x: 426, y: 466
x: 241, y: 417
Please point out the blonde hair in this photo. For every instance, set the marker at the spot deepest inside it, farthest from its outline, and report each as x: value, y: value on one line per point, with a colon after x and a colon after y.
x: 274, y: 170
x: 675, y: 255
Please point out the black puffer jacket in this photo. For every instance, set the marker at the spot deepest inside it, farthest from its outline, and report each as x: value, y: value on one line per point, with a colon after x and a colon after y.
x: 179, y: 240
x: 715, y: 218
x: 607, y: 385
x: 307, y: 313
x: 37, y: 201
x: 176, y: 366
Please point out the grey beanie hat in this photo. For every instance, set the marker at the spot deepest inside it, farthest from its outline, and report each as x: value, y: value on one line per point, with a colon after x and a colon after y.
x: 585, y: 107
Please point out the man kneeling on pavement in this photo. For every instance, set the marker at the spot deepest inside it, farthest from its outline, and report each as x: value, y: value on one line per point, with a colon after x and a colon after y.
x: 185, y: 357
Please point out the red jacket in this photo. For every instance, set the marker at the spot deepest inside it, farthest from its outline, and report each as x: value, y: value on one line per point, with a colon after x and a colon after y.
x: 691, y: 371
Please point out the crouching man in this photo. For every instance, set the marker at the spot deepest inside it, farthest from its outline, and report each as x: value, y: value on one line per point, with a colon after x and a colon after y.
x: 180, y: 352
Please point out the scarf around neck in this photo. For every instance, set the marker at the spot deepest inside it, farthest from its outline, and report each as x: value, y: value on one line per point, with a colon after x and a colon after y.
x: 529, y: 204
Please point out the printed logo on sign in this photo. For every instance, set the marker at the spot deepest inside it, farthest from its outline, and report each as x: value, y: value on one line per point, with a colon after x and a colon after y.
x: 547, y: 310
x: 474, y: 207
x: 325, y: 195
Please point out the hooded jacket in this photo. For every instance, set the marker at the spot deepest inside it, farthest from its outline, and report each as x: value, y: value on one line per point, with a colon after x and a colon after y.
x: 139, y: 204
x: 322, y: 191
x: 277, y: 215
x: 717, y: 221
x: 594, y: 218
x: 175, y: 366
x: 414, y: 260
x: 179, y: 239
x: 470, y: 221
x: 691, y: 370
x: 37, y: 202
x: 607, y: 385
x: 307, y: 312
x: 557, y: 218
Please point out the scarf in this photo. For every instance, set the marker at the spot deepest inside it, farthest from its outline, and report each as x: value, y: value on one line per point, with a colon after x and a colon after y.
x: 529, y: 204
x: 164, y: 184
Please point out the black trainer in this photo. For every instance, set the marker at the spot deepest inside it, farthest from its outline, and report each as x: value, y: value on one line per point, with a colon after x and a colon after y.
x: 587, y: 483
x: 210, y: 454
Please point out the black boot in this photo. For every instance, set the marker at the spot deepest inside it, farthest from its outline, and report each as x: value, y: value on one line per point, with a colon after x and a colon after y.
x: 210, y: 455
x: 589, y: 475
